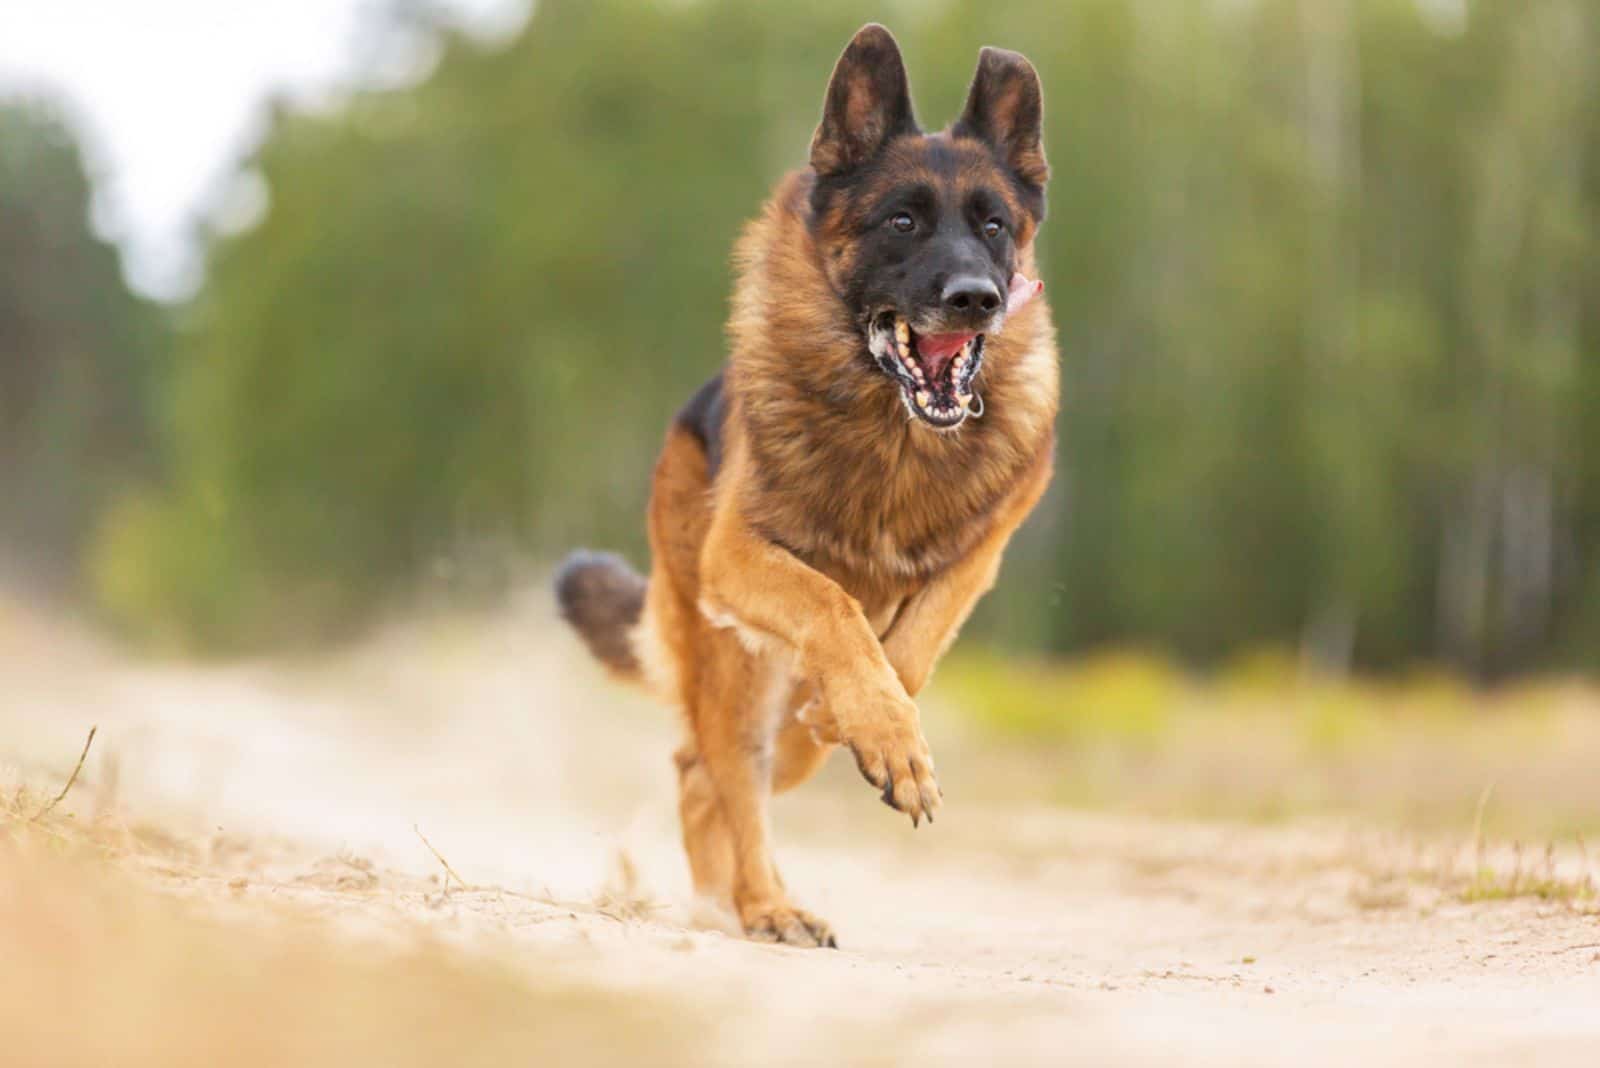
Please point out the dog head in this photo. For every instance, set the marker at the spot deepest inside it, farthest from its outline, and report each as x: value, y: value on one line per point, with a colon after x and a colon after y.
x: 921, y: 234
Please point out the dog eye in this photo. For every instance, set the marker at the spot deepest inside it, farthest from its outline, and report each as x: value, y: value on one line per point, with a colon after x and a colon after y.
x: 993, y: 227
x: 903, y: 223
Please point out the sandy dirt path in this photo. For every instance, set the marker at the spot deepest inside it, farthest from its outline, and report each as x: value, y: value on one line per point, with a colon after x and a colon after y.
x: 1007, y: 930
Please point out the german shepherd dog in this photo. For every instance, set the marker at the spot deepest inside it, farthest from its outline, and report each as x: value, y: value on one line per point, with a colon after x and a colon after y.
x: 826, y: 511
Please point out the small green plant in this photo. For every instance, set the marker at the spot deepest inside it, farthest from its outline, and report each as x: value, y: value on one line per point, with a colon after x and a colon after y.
x: 1123, y: 697
x: 1544, y: 883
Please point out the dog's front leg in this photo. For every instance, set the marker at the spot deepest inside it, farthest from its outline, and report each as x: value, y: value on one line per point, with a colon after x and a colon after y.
x: 775, y: 600
x: 931, y: 618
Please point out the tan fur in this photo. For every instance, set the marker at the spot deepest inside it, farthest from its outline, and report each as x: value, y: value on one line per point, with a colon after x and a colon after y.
x: 801, y: 596
x: 830, y: 563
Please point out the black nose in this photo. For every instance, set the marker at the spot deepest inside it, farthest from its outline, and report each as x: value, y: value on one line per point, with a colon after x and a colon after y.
x: 971, y: 295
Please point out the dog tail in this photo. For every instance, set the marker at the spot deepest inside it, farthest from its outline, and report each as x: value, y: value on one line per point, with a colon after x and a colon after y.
x: 603, y: 598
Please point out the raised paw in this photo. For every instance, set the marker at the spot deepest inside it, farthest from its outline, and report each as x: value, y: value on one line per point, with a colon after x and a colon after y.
x: 878, y: 721
x: 786, y: 924
x: 895, y: 759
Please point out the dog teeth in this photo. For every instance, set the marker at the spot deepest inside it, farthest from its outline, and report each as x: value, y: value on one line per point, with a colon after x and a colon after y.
x: 905, y: 351
x: 923, y: 397
x: 966, y: 401
x: 902, y: 333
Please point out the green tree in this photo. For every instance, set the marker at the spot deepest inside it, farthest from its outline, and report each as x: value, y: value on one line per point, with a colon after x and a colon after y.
x: 78, y: 353
x: 1323, y: 272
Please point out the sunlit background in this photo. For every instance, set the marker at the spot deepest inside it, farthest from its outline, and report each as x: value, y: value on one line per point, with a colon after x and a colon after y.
x: 312, y: 307
x: 328, y: 326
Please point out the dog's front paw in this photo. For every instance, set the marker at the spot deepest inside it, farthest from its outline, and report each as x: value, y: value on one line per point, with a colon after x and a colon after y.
x: 882, y: 730
x: 777, y: 921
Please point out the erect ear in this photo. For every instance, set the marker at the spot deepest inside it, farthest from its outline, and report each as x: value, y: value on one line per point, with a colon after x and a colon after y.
x: 1006, y: 108
x: 868, y: 103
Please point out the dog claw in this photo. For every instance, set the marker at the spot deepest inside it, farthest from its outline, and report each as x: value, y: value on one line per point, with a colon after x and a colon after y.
x: 877, y: 777
x: 931, y: 797
x: 894, y: 758
x: 911, y: 791
x: 790, y: 926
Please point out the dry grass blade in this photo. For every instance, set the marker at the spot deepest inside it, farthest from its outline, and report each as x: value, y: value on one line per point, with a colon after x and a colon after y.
x: 624, y: 898
x: 78, y: 767
x: 450, y: 872
x: 1477, y: 826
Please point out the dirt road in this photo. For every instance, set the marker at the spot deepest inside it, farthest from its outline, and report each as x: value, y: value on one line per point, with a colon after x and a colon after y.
x: 1006, y: 931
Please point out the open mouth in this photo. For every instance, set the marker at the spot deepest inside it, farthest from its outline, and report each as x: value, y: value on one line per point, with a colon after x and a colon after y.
x: 934, y: 371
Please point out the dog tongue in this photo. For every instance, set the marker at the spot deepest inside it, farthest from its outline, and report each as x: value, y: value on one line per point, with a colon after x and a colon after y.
x: 937, y: 349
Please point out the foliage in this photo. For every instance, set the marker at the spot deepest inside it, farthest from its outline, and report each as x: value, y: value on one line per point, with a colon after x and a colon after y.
x: 1324, y: 276
x: 79, y: 356
x: 1121, y: 696
x: 1270, y: 737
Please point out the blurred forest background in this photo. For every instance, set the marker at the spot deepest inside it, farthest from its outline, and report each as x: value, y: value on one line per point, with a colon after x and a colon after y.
x: 1327, y: 277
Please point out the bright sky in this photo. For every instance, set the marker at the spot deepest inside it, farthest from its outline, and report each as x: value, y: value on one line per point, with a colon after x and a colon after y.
x: 168, y: 96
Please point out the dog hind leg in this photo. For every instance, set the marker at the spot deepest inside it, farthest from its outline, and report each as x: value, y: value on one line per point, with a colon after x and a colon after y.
x: 736, y: 714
